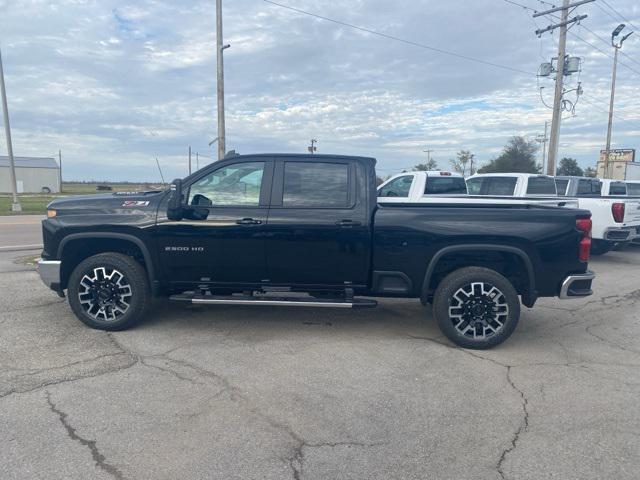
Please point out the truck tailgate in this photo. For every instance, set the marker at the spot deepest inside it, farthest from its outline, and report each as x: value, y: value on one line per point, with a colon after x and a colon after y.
x: 632, y: 212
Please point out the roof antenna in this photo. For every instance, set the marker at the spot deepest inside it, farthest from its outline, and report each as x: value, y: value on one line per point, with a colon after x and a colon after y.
x: 160, y: 169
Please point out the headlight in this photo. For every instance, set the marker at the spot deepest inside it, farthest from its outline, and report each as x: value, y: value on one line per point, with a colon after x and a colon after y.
x: 51, y: 213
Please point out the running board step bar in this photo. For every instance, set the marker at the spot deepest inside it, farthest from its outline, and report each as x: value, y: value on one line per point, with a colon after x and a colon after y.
x: 273, y: 301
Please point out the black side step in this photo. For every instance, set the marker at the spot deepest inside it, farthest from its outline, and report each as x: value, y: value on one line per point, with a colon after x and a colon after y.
x: 302, y: 301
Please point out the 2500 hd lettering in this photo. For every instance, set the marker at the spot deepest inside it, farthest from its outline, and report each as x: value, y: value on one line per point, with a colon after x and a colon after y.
x: 281, y: 229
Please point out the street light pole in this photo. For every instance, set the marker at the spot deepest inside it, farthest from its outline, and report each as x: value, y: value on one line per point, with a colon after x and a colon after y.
x: 616, y: 47
x: 220, y: 80
x: 15, y: 205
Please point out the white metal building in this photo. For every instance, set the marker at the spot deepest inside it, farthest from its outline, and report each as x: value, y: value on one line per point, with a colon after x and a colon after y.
x: 33, y: 175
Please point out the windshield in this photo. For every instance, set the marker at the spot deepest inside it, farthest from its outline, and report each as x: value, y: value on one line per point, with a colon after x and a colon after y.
x: 445, y: 186
x: 633, y: 189
x: 541, y: 186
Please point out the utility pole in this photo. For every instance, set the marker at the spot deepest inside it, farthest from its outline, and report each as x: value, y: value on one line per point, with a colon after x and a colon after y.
x: 616, y: 47
x: 560, y: 72
x: 197, y: 160
x: 220, y: 81
x: 15, y: 204
x: 428, y: 152
x: 543, y: 139
x: 312, y: 148
x: 60, y: 170
x: 189, y: 159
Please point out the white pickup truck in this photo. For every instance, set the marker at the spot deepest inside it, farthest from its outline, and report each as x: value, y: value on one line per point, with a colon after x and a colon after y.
x: 448, y: 187
x: 616, y: 219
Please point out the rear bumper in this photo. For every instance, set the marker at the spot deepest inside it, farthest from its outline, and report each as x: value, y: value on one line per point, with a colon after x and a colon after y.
x: 49, y: 271
x: 620, y: 234
x: 577, y: 285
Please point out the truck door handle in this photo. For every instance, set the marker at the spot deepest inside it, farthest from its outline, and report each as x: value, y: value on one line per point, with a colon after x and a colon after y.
x: 348, y: 223
x: 248, y: 221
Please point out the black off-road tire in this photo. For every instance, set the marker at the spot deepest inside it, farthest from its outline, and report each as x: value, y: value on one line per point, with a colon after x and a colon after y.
x: 600, y: 247
x: 453, y: 315
x: 134, y: 276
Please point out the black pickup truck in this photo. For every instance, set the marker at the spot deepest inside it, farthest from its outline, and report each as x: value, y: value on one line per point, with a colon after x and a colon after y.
x: 306, y: 230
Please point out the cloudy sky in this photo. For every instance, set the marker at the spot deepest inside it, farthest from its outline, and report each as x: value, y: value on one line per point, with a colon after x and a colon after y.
x: 116, y: 83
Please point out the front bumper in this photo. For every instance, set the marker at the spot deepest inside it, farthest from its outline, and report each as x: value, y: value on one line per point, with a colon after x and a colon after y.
x: 577, y: 285
x: 49, y: 271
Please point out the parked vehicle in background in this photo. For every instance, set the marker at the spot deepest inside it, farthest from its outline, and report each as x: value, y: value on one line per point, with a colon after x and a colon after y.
x: 307, y: 230
x: 632, y: 171
x: 422, y: 184
x: 534, y: 188
x: 615, y: 219
x: 426, y: 187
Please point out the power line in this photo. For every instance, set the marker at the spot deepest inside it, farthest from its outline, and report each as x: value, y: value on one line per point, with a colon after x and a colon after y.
x: 521, y: 6
x: 398, y: 39
x: 609, y: 43
x: 603, y: 52
x: 619, y: 14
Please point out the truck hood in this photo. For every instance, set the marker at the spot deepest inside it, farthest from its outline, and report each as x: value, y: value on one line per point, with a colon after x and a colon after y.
x: 108, y: 203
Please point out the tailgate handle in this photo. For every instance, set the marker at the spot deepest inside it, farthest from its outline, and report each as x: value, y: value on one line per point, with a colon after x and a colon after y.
x: 248, y: 221
x: 348, y: 223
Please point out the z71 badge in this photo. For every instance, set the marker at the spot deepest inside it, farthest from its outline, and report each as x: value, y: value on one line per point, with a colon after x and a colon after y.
x: 135, y: 203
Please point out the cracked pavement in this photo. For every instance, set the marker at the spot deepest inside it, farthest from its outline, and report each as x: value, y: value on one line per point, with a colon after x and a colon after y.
x: 276, y: 393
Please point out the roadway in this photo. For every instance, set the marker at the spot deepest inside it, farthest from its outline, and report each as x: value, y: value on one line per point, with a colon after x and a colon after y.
x: 274, y: 393
x: 20, y: 232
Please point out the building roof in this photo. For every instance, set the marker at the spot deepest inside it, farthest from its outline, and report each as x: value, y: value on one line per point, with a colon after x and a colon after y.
x: 29, y: 162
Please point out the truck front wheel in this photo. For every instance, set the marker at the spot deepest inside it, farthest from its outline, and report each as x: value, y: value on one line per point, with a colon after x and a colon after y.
x: 476, y: 307
x: 109, y: 291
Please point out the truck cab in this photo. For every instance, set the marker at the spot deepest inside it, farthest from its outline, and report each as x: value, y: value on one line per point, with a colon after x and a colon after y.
x: 415, y: 185
x: 517, y: 185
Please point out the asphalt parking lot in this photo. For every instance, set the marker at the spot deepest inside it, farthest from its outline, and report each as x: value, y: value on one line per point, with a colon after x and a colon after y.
x: 276, y: 393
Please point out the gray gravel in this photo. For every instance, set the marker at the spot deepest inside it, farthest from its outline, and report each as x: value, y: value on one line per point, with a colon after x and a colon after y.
x: 276, y: 393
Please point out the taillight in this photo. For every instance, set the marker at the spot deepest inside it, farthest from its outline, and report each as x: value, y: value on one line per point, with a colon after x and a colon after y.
x: 617, y: 209
x: 584, y: 225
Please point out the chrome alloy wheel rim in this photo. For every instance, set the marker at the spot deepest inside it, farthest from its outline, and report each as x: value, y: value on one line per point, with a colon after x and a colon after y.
x: 478, y: 310
x: 105, y: 294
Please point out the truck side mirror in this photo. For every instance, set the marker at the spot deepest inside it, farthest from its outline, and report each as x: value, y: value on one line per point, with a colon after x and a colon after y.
x: 175, y: 208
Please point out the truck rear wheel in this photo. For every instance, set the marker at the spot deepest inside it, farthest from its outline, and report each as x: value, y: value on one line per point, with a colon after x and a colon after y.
x: 109, y: 291
x: 476, y: 307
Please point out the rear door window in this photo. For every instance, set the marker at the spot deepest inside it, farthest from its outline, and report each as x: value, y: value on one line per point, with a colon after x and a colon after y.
x: 318, y: 184
x: 445, y: 186
x: 501, y: 186
x: 398, y: 187
x: 561, y: 187
x: 541, y: 186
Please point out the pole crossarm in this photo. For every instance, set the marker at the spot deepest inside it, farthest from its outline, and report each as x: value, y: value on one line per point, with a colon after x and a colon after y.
x: 575, y: 19
x: 557, y: 9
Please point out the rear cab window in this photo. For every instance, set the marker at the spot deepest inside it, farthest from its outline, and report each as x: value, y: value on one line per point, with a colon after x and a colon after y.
x: 617, y: 188
x: 541, y: 185
x: 633, y: 189
x: 589, y: 188
x: 445, y: 186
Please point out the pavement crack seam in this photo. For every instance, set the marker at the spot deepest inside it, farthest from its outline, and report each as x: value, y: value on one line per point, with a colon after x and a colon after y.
x: 523, y: 426
x: 607, y: 341
x: 98, y: 458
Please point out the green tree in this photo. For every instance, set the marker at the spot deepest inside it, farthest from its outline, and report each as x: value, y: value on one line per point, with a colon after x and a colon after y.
x: 569, y: 166
x: 590, y: 172
x: 426, y: 167
x: 463, y: 164
x: 518, y: 156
